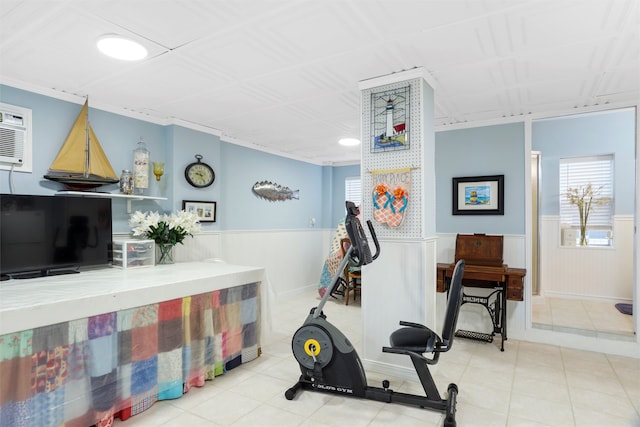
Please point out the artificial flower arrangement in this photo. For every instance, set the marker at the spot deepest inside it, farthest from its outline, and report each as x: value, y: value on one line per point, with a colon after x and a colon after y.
x: 165, y: 229
x: 584, y: 198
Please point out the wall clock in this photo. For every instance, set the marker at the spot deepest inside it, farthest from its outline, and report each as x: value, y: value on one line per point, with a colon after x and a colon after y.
x: 199, y: 174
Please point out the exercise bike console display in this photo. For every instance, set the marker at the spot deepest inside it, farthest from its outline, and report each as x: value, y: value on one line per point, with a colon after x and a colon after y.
x: 361, y: 254
x: 329, y: 362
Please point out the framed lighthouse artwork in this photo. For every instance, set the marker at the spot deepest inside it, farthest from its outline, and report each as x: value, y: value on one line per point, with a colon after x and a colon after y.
x: 390, y: 120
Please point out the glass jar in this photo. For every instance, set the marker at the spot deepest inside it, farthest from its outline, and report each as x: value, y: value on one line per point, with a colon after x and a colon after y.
x: 140, y: 168
x: 126, y: 182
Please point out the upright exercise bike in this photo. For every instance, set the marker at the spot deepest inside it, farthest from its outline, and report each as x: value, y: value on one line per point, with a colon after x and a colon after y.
x: 329, y: 363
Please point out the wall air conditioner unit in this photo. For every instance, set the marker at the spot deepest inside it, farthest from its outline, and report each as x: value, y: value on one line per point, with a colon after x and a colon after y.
x: 13, y: 132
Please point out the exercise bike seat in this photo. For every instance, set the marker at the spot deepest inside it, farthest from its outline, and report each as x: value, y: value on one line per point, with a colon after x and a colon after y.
x: 415, y: 339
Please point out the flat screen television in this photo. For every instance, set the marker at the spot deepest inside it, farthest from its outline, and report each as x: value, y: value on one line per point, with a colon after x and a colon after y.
x: 48, y: 235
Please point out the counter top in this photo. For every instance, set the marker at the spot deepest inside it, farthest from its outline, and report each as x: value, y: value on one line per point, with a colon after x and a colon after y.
x: 31, y: 303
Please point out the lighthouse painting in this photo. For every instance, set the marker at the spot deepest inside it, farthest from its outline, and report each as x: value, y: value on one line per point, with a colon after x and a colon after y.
x: 389, y: 120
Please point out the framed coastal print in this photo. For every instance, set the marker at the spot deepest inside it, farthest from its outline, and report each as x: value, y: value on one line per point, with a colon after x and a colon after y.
x: 390, y: 120
x: 478, y: 195
x: 206, y: 211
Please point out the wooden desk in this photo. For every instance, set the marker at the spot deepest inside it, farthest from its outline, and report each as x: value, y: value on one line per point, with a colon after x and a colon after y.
x: 482, y: 276
x: 507, y: 282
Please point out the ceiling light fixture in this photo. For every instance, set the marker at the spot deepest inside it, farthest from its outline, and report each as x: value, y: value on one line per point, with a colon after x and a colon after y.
x: 119, y: 47
x: 349, y: 142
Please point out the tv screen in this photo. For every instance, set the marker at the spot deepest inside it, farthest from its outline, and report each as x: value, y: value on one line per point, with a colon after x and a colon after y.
x: 43, y: 235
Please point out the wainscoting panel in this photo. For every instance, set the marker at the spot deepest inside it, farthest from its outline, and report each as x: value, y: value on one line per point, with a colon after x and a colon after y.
x: 202, y: 246
x: 587, y: 272
x: 293, y: 258
x: 473, y: 316
x: 513, y: 250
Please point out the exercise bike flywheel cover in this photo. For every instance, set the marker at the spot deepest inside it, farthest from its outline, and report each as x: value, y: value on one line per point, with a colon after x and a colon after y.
x: 311, y: 341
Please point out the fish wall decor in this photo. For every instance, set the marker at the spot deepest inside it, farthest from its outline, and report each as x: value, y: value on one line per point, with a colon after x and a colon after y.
x: 273, y: 192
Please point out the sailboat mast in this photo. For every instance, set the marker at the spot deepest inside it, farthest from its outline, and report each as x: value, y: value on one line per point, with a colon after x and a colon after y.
x: 88, y: 141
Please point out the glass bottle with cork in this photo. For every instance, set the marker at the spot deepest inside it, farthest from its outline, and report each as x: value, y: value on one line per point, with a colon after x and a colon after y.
x: 140, y: 168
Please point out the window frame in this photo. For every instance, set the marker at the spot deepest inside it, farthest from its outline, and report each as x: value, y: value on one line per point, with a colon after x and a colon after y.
x: 577, y: 172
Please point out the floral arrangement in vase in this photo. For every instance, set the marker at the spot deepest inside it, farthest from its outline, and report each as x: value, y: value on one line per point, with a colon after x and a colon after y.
x: 166, y: 230
x: 585, y: 198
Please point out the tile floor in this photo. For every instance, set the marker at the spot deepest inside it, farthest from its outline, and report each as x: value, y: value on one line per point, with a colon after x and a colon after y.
x: 585, y: 317
x: 527, y: 385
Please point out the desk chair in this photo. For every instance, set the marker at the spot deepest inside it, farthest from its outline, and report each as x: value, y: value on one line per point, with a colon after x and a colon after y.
x: 352, y: 275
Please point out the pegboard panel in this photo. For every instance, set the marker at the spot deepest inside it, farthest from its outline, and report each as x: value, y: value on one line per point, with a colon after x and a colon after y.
x: 375, y: 158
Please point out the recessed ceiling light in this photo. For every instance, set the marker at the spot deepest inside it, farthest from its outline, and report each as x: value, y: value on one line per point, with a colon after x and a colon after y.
x: 121, y: 48
x: 349, y: 142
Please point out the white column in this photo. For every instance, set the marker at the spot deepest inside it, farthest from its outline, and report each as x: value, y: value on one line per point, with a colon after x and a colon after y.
x: 400, y: 284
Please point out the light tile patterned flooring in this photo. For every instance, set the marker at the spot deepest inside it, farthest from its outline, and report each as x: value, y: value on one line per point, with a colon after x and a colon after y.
x: 526, y: 385
x: 584, y: 317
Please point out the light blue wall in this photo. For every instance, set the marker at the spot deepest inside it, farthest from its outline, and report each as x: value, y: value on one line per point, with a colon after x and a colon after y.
x: 490, y: 150
x: 52, y: 120
x: 242, y: 210
x: 585, y: 135
x: 186, y: 143
x: 338, y: 211
x: 237, y: 168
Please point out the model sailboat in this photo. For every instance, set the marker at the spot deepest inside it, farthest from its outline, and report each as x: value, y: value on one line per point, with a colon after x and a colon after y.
x: 81, y: 163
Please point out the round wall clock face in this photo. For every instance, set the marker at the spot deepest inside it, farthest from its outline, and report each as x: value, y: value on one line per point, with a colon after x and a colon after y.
x: 199, y: 174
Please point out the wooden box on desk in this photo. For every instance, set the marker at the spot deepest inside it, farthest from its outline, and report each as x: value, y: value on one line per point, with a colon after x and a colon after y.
x: 134, y: 253
x: 479, y: 249
x: 484, y: 265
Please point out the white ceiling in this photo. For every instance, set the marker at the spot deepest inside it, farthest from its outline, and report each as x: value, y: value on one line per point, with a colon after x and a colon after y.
x: 282, y: 75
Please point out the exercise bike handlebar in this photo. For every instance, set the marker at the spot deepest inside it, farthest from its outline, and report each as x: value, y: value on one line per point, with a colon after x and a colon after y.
x: 361, y: 253
x: 358, y: 253
x: 375, y: 239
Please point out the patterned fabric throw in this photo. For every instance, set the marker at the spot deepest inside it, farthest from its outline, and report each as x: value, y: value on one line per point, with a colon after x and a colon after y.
x: 88, y: 371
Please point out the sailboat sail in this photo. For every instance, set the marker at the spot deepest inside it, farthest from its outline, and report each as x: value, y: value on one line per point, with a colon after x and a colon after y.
x: 81, y: 161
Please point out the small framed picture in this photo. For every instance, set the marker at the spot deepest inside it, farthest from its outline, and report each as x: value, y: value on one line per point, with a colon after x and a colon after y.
x: 478, y: 195
x: 206, y: 211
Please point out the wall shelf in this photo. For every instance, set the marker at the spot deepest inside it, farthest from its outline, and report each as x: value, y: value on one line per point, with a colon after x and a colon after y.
x: 128, y: 197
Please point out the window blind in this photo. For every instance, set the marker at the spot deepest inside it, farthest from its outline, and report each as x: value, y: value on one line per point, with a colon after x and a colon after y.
x: 353, y: 190
x: 577, y: 172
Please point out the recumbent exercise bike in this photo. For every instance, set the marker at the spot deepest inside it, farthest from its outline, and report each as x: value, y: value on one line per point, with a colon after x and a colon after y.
x: 329, y: 363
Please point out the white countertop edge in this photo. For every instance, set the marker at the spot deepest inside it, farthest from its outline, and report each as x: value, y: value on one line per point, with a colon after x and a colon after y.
x: 31, y: 303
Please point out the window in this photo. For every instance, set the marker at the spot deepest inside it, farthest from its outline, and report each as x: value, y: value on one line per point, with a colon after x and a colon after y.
x: 577, y: 173
x: 353, y: 190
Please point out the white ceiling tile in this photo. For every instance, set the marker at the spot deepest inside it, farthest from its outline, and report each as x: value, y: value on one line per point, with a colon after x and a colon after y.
x: 616, y: 82
x: 183, y: 21
x: 544, y: 25
x: 284, y: 74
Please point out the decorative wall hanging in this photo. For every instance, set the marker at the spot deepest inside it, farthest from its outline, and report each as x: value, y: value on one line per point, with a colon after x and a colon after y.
x: 478, y: 195
x: 390, y: 120
x: 274, y: 192
x: 390, y: 195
